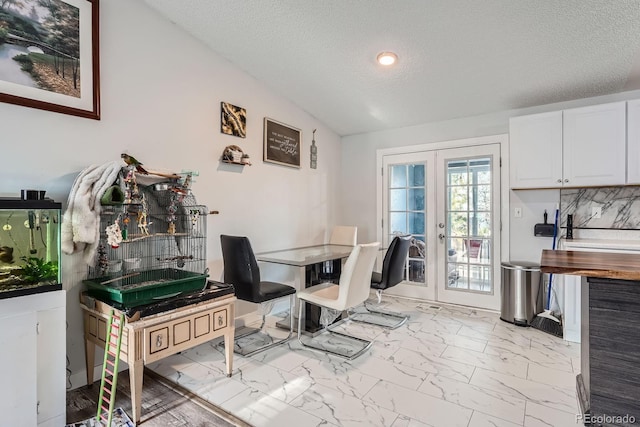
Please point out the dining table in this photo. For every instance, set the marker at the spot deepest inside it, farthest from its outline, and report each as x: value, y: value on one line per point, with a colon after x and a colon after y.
x: 308, y: 262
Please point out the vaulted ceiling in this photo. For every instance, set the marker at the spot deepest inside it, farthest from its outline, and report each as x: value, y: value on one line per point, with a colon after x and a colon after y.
x: 457, y: 58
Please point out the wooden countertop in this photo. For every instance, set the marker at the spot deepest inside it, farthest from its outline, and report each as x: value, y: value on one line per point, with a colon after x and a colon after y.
x: 591, y: 264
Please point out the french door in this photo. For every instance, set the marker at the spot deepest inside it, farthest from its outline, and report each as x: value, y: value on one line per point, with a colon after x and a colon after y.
x: 408, y: 208
x: 448, y: 200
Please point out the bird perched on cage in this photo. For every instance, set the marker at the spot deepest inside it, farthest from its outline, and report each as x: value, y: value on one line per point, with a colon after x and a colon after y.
x: 132, y: 161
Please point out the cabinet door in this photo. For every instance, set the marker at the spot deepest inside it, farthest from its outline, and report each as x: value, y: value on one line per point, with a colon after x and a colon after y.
x: 17, y: 362
x: 633, y: 142
x: 51, y: 363
x: 535, y: 143
x: 594, y: 145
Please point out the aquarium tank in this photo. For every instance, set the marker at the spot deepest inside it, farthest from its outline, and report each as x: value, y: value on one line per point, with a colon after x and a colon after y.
x: 29, y: 247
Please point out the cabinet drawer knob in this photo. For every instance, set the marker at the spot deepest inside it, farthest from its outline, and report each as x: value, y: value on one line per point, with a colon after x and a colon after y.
x: 559, y: 180
x: 566, y: 180
x: 159, y: 341
x: 220, y: 320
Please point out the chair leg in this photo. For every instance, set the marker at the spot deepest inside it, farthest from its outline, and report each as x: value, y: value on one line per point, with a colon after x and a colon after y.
x: 366, y: 344
x: 246, y: 331
x: 300, y: 303
x: 256, y: 330
x: 382, y: 313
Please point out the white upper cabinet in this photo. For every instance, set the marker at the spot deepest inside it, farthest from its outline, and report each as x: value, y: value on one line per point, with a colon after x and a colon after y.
x: 633, y: 142
x: 594, y: 145
x: 536, y: 150
x: 580, y: 147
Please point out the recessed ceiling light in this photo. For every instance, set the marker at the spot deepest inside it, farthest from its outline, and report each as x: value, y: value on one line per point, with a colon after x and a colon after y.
x: 387, y: 58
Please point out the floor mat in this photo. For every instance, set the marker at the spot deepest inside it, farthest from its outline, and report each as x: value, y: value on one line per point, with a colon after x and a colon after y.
x: 119, y: 419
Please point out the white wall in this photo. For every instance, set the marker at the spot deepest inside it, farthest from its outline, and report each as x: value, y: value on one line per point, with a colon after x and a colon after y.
x: 358, y: 196
x: 161, y: 93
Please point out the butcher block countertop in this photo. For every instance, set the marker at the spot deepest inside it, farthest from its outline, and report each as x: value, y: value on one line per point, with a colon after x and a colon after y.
x: 591, y: 264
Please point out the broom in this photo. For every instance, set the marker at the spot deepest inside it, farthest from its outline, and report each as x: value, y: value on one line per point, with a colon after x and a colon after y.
x: 546, y: 321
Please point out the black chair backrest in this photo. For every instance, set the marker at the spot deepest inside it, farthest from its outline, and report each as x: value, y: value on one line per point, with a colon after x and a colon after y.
x: 240, y: 266
x: 395, y: 261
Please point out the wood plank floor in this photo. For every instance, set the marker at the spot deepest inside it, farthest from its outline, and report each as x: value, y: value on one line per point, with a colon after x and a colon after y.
x: 163, y: 404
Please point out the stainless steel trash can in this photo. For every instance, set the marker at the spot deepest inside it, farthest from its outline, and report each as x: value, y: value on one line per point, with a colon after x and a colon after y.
x: 522, y: 292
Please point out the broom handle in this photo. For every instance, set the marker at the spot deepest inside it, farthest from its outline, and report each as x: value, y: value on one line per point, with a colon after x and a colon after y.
x: 555, y: 235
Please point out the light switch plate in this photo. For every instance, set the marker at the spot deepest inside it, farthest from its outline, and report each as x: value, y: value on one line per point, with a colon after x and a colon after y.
x: 596, y: 212
x: 517, y: 212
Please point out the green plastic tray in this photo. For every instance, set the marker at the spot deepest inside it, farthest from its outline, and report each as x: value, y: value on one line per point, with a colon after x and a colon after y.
x: 145, y: 287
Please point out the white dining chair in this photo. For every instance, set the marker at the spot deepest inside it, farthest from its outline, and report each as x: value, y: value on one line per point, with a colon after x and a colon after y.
x: 353, y: 290
x: 344, y: 235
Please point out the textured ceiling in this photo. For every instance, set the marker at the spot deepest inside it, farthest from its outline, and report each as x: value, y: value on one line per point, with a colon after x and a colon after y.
x: 458, y: 58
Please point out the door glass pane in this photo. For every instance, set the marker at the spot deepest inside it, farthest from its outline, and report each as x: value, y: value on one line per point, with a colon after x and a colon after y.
x: 417, y: 260
x: 416, y: 271
x: 469, y: 223
x: 458, y: 276
x: 398, y: 222
x: 479, y: 174
x: 398, y: 199
x: 457, y: 175
x: 458, y: 198
x: 398, y: 176
x: 416, y: 199
x: 482, y: 196
x: 483, y: 224
x: 416, y: 222
x: 458, y: 224
x: 416, y: 175
x: 456, y: 249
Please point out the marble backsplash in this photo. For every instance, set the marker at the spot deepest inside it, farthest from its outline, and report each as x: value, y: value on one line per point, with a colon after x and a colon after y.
x: 619, y: 208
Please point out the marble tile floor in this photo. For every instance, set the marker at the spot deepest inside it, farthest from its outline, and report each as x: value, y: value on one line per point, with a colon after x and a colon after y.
x: 447, y: 366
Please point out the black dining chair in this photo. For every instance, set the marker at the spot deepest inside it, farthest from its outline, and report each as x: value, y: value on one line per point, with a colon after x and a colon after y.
x: 241, y: 270
x: 393, y: 272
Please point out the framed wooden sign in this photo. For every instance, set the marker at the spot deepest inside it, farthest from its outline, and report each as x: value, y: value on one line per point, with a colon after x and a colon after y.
x: 281, y: 143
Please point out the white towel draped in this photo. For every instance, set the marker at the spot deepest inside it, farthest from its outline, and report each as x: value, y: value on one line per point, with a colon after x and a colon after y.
x: 81, y: 221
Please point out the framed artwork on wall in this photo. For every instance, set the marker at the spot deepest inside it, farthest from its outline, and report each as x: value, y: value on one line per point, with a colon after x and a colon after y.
x: 281, y: 143
x: 233, y: 120
x: 49, y: 53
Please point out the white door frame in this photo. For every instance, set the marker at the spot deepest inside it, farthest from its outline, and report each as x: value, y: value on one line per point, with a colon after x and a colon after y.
x: 502, y: 139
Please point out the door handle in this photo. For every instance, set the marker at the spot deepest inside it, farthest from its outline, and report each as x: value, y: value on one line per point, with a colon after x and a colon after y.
x: 441, y: 225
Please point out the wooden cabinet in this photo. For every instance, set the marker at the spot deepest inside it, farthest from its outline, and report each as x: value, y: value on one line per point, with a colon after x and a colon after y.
x: 633, y: 142
x: 580, y: 147
x: 157, y: 336
x: 32, y: 365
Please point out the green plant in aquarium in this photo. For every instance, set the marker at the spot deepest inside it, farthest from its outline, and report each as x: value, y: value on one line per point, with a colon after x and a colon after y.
x: 37, y: 270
